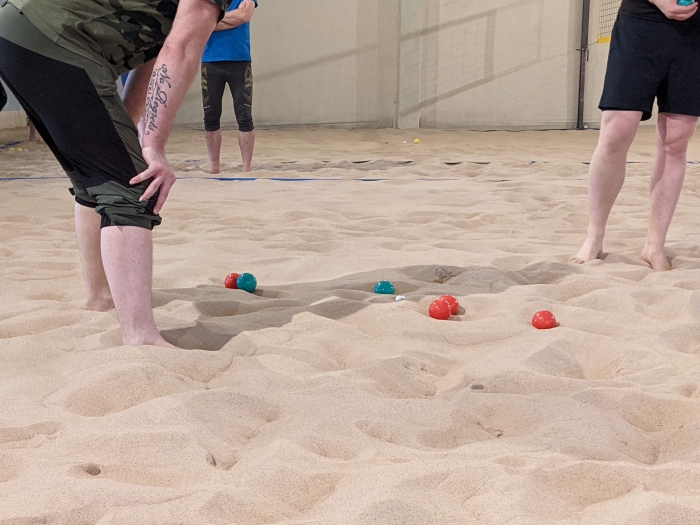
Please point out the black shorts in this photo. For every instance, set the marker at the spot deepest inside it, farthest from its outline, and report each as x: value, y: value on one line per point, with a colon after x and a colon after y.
x: 239, y: 77
x: 653, y: 60
x: 74, y: 105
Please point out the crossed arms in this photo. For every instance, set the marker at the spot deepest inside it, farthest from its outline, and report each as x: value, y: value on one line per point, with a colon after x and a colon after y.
x: 237, y: 17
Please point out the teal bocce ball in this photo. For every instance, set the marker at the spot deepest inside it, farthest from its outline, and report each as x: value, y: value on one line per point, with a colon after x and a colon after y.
x: 247, y: 282
x: 385, y: 288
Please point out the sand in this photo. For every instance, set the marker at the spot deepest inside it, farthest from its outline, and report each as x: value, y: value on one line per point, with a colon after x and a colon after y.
x: 315, y: 401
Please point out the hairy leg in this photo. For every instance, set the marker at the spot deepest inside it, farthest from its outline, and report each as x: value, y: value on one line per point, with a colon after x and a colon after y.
x: 606, y: 177
x: 214, y: 140
x: 127, y: 252
x: 33, y: 136
x: 87, y: 229
x: 246, y: 140
x: 673, y: 135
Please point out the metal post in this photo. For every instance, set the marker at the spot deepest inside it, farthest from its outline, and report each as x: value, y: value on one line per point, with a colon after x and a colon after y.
x: 584, y: 59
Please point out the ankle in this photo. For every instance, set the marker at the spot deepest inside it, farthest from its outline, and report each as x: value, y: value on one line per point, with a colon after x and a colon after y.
x: 595, y: 237
x: 138, y: 339
x: 100, y: 302
x: 654, y: 246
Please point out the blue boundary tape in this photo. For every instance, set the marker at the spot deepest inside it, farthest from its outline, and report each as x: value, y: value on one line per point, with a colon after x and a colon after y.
x: 248, y: 179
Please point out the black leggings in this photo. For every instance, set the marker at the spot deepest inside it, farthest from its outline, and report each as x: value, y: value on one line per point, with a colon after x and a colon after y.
x: 239, y: 77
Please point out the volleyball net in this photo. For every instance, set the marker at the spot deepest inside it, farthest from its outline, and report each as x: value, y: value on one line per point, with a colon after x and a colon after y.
x: 606, y: 19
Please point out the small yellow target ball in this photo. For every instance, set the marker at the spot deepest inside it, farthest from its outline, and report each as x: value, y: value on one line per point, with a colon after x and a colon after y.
x: 19, y: 149
x: 11, y: 149
x: 417, y: 141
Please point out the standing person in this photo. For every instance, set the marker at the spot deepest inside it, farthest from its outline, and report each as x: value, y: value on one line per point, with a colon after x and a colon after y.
x: 61, y: 59
x: 654, y: 54
x: 227, y: 60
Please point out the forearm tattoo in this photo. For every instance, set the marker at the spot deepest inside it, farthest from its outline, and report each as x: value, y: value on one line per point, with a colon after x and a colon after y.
x: 157, y: 96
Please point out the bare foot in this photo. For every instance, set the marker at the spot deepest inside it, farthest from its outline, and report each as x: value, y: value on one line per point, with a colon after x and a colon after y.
x: 656, y: 258
x: 100, y: 304
x: 214, y: 169
x: 591, y: 249
x: 156, y: 341
x: 246, y: 169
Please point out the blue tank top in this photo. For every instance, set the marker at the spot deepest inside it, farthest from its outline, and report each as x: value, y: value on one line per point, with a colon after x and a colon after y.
x: 232, y: 45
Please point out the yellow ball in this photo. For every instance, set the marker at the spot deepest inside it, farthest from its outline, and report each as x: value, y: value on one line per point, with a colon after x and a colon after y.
x: 417, y: 141
x: 19, y: 149
x: 11, y: 149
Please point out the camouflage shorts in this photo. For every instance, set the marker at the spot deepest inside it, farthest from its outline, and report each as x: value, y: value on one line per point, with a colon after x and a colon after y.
x: 74, y: 104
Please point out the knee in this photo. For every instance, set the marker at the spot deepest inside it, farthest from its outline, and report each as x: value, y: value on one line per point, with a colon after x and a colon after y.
x: 120, y: 206
x: 615, y: 143
x: 245, y: 124
x: 618, y: 131
x: 675, y: 143
x: 212, y: 124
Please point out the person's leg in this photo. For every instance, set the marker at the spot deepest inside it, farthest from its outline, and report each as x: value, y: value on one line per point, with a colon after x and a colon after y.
x: 606, y: 177
x: 674, y: 134
x: 241, y: 83
x: 87, y: 229
x: 213, y: 86
x: 127, y: 252
x: 214, y: 140
x: 101, y: 156
x: 33, y: 137
x: 246, y: 141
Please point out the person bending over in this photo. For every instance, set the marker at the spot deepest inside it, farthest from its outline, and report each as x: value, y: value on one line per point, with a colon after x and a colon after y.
x: 61, y: 59
x: 227, y: 60
x: 654, y: 54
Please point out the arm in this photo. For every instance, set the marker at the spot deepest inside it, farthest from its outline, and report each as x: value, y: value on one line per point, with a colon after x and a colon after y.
x: 171, y: 77
x: 134, y: 95
x: 674, y: 11
x: 242, y: 15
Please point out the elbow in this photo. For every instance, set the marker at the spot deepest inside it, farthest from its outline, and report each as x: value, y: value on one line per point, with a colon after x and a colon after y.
x: 183, y: 49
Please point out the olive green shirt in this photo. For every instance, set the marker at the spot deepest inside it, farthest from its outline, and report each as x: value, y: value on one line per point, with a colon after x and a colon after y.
x: 122, y: 34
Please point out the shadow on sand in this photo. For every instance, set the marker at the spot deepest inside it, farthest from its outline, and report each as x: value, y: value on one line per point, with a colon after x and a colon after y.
x: 224, y: 313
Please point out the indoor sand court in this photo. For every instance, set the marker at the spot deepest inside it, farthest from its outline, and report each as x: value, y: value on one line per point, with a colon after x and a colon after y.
x: 314, y: 389
x: 315, y: 401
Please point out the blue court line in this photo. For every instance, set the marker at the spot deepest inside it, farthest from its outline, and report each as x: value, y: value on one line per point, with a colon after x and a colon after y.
x: 277, y: 179
x: 248, y: 179
x: 7, y: 179
x: 9, y: 145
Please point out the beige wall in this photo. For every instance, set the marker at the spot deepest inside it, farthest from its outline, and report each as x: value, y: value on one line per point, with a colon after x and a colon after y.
x: 320, y: 62
x: 434, y: 63
x: 501, y: 63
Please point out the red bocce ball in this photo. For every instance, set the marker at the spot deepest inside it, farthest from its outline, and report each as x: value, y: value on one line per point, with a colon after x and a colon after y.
x: 453, y: 302
x: 440, y: 309
x: 544, y: 320
x: 230, y: 281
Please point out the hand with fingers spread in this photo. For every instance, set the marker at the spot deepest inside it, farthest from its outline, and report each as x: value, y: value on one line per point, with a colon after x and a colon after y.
x: 161, y: 175
x: 672, y: 10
